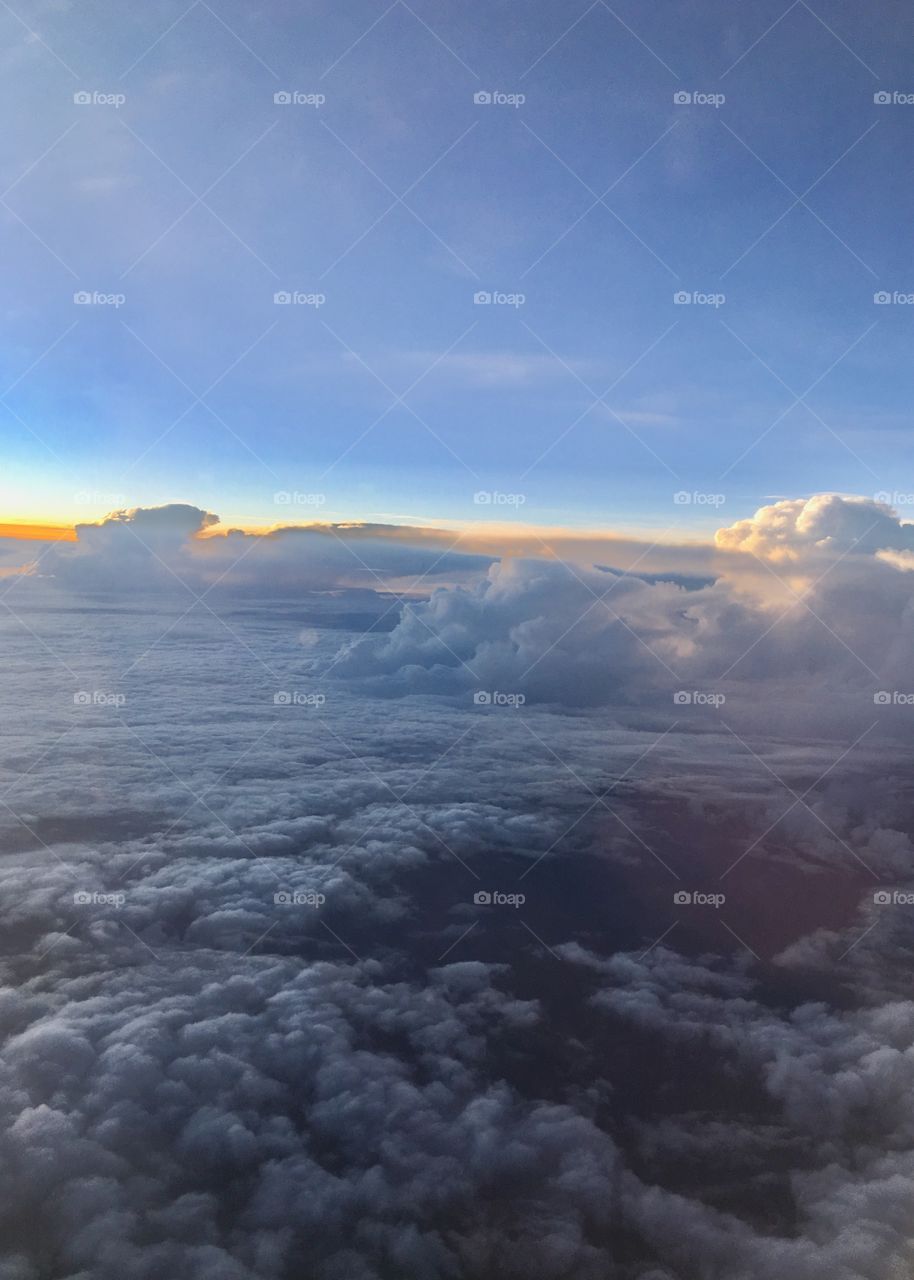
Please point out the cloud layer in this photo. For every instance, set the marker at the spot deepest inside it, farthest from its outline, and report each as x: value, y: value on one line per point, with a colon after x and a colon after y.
x: 254, y: 1017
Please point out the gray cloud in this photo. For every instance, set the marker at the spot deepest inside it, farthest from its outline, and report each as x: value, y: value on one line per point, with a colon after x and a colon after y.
x: 199, y: 1080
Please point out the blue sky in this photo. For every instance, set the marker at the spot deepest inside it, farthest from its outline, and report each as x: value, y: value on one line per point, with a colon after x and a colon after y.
x: 398, y: 199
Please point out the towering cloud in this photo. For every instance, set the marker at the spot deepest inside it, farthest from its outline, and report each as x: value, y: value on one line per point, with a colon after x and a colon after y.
x: 827, y: 525
x: 162, y: 547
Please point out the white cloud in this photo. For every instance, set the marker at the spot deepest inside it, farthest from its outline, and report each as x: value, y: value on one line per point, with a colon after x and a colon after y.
x: 161, y: 548
x: 827, y: 525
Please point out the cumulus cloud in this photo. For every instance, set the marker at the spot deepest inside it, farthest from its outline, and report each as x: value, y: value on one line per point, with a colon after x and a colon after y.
x: 838, y: 1084
x: 148, y: 548
x: 126, y: 1119
x: 512, y: 631
x: 829, y: 524
x: 563, y: 635
x: 203, y: 1078
x: 131, y: 548
x: 199, y: 1045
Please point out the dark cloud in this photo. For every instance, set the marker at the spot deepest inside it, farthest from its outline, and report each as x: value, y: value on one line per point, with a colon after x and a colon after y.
x: 254, y: 1023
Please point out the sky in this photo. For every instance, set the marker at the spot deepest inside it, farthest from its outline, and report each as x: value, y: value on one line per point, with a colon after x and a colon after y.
x: 456, y: 619
x: 181, y: 197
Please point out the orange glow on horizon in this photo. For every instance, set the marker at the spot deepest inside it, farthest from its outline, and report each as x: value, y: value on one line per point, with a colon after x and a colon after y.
x: 38, y: 532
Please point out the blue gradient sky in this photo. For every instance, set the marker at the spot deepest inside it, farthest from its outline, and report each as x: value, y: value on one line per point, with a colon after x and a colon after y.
x: 101, y: 405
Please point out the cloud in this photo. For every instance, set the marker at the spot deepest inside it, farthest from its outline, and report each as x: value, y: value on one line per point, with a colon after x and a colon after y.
x: 561, y: 634
x: 532, y: 626
x: 133, y: 548
x: 201, y: 1080
x: 822, y: 640
x: 829, y: 524
x: 839, y: 1083
x: 151, y: 547
x: 200, y: 1045
x: 126, y: 1119
x: 162, y: 547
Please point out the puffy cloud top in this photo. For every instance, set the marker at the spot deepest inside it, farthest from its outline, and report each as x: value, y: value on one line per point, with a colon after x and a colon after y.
x: 153, y: 547
x: 173, y: 520
x: 135, y: 547
x: 797, y: 528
